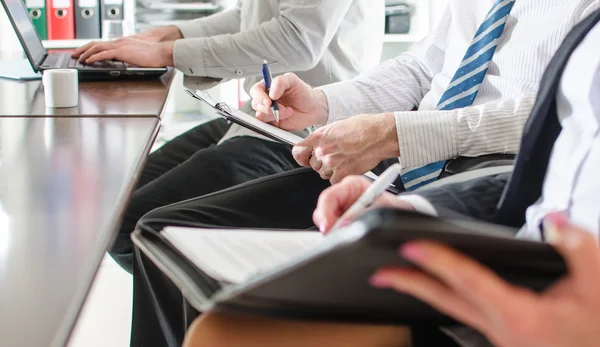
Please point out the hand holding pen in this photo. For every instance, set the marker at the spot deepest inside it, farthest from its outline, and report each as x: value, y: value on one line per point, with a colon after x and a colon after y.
x: 268, y: 80
x: 380, y: 185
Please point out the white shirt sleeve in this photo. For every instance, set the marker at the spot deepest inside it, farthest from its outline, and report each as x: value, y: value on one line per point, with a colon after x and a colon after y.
x: 429, y: 136
x: 420, y: 204
x: 294, y: 41
x: 398, y: 84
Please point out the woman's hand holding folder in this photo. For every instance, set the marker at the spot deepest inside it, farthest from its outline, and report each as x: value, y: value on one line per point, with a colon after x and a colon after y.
x: 565, y: 315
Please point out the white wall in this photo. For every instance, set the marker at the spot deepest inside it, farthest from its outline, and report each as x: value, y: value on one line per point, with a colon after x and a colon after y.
x: 437, y: 10
x: 434, y: 10
x: 8, y: 39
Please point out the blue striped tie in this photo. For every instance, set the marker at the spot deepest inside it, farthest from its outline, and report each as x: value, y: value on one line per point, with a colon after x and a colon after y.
x: 465, y: 84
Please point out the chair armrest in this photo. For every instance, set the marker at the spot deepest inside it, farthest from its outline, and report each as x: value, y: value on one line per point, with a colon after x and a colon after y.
x: 464, y: 164
x: 469, y: 175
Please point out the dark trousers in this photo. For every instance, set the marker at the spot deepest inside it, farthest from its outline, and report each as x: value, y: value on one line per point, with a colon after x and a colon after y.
x: 193, y: 165
x: 161, y: 315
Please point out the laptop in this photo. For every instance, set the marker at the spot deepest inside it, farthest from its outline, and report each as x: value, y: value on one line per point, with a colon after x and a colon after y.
x: 40, y: 59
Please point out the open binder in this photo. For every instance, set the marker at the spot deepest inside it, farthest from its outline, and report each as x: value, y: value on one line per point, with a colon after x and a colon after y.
x: 329, y: 280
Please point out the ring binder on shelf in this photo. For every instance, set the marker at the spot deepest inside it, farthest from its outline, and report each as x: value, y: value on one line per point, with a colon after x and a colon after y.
x: 87, y: 19
x: 112, y: 9
x: 37, y: 12
x: 61, y: 22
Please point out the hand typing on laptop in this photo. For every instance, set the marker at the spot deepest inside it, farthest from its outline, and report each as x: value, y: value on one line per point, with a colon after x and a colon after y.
x: 130, y: 50
x: 99, y: 67
x: 160, y: 34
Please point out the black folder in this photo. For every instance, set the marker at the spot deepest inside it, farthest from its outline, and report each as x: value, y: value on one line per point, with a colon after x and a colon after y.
x: 330, y: 283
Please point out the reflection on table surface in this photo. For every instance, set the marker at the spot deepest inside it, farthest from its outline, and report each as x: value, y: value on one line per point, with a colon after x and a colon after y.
x: 136, y: 97
x: 63, y: 184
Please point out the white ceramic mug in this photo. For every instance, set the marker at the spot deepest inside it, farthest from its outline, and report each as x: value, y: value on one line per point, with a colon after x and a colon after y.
x: 61, y: 87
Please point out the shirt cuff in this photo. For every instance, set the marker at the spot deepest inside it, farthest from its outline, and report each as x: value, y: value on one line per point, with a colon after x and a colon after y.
x: 420, y: 204
x: 188, y: 57
x: 426, y: 137
x: 343, y: 100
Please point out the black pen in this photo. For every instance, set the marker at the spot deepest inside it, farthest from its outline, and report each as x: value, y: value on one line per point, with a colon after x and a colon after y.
x: 268, y: 80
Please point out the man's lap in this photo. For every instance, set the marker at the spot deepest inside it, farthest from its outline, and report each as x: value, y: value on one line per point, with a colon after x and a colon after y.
x: 279, y: 201
x: 284, y: 200
x: 199, y: 171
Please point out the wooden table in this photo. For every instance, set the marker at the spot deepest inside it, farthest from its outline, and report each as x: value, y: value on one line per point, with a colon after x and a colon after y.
x: 142, y: 98
x: 65, y: 178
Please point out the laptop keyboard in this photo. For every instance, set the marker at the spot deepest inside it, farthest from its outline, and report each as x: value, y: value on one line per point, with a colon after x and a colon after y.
x: 106, y: 64
x: 65, y: 60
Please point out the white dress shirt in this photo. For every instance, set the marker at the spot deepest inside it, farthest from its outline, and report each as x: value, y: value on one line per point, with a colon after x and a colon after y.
x: 322, y: 41
x: 418, y: 78
x: 571, y: 185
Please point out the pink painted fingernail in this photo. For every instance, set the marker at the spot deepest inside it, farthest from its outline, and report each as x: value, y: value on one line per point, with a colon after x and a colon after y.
x: 323, y: 226
x: 412, y: 252
x: 554, y: 223
x: 558, y: 219
x: 381, y: 281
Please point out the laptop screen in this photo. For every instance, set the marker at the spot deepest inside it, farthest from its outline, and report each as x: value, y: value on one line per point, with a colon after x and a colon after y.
x: 32, y: 44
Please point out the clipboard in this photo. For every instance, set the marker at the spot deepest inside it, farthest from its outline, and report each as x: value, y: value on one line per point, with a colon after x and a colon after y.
x: 247, y: 121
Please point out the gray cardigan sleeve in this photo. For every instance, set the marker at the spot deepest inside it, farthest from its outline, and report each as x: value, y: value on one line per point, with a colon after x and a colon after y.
x: 294, y: 41
x: 225, y: 22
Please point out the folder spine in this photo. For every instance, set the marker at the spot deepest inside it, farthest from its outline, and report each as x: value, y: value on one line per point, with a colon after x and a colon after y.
x: 37, y: 13
x: 112, y: 9
x: 60, y: 19
x: 87, y: 19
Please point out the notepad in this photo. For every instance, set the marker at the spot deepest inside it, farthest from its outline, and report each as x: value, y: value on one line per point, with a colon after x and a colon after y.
x: 304, y: 275
x: 233, y: 256
x: 18, y: 70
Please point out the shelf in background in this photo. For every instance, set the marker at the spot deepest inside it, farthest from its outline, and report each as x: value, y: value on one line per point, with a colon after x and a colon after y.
x: 66, y: 44
x: 177, y: 6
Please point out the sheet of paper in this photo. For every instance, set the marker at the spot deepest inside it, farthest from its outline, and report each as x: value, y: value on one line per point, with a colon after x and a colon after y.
x: 234, y: 255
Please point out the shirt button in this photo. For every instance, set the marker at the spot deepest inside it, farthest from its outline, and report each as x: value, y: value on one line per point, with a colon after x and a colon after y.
x: 239, y: 72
